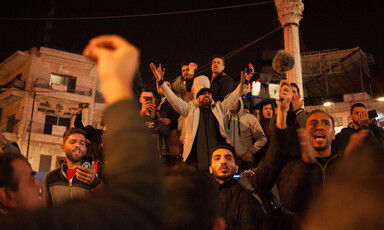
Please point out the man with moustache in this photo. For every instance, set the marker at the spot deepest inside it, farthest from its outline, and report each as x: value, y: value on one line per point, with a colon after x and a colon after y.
x: 204, y: 127
x: 71, y: 180
x: 245, y: 203
x: 182, y: 85
x: 221, y: 83
x: 300, y: 180
x: 19, y: 189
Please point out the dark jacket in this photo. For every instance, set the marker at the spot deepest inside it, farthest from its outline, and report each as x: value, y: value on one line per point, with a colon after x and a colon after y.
x: 133, y: 197
x: 167, y: 111
x: 375, y: 134
x: 240, y: 208
x: 299, y: 181
x: 221, y: 86
x: 295, y: 119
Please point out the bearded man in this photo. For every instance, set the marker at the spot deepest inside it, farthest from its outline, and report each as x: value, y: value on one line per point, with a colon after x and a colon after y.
x: 300, y: 180
x: 71, y: 180
x: 246, y: 203
x: 203, y: 117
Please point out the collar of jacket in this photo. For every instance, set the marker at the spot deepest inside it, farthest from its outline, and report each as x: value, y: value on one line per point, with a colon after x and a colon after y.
x: 218, y: 77
x: 228, y: 183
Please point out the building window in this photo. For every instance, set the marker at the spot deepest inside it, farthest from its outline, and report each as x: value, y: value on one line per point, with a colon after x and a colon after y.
x: 45, y: 163
x: 64, y: 82
x: 53, y: 120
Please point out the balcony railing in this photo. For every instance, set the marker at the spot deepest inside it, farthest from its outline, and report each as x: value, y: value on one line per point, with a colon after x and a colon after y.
x: 45, y: 84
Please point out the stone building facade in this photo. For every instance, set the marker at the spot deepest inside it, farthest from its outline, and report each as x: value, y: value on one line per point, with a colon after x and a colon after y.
x: 40, y: 92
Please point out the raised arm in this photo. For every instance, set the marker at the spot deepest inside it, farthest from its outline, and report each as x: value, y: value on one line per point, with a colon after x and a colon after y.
x: 232, y: 98
x: 178, y: 104
x: 270, y: 166
x: 79, y: 118
x: 298, y: 177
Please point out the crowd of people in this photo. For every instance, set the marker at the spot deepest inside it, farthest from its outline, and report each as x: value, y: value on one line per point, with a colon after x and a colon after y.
x: 189, y: 155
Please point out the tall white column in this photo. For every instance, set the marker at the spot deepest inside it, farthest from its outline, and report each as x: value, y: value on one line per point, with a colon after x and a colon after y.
x: 290, y: 14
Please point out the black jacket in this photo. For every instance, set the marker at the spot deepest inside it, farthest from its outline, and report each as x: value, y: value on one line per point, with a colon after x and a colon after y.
x: 221, y: 86
x: 299, y: 182
x: 240, y: 209
x: 167, y: 111
x: 375, y: 134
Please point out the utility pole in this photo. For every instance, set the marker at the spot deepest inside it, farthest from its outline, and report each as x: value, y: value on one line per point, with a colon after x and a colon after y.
x: 30, y: 124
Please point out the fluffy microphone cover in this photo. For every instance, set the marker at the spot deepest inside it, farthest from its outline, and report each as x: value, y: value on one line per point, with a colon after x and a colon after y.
x: 283, y: 61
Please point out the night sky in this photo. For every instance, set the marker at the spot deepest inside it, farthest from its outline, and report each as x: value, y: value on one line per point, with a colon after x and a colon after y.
x: 177, y: 38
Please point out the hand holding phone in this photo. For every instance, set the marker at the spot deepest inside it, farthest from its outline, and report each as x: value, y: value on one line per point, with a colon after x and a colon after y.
x: 86, y: 161
x: 86, y: 172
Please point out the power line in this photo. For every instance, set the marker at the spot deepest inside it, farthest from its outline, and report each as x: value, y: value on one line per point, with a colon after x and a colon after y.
x: 137, y: 15
x: 234, y: 52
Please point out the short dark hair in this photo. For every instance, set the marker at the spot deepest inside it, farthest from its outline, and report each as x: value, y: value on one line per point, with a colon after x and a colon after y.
x: 357, y: 105
x: 146, y: 89
x: 296, y: 86
x: 323, y: 112
x: 192, y: 200
x: 71, y: 131
x: 224, y: 145
x: 7, y: 178
x: 218, y: 56
x: 184, y: 64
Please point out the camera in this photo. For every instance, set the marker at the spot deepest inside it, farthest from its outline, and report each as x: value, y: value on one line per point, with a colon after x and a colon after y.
x: 148, y: 98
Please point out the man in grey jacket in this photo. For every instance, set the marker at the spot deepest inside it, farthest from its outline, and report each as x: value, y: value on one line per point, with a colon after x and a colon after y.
x: 246, y: 134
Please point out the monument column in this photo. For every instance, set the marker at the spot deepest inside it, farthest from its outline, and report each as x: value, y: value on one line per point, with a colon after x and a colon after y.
x: 290, y: 14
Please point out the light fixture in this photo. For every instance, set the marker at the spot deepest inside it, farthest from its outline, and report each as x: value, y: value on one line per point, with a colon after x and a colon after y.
x: 327, y: 104
x: 380, y: 99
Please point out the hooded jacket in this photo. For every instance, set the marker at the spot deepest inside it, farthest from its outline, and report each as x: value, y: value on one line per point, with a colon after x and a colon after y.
x: 243, y: 129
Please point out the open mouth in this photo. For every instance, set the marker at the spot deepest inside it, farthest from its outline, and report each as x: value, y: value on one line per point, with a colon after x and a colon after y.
x: 319, y: 136
x: 77, y: 151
